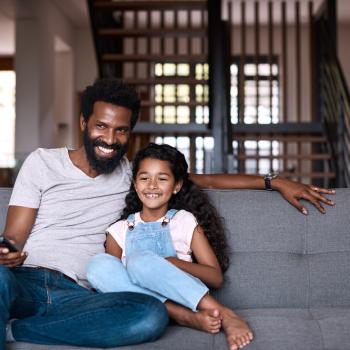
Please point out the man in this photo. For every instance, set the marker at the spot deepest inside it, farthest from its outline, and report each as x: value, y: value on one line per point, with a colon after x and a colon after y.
x: 61, y: 204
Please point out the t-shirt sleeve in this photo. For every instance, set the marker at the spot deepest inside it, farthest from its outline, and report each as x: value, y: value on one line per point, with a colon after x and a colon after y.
x: 189, y: 223
x: 118, y: 232
x: 28, y: 186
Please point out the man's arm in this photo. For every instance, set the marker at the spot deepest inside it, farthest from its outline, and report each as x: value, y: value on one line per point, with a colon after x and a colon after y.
x: 291, y: 191
x: 19, y: 224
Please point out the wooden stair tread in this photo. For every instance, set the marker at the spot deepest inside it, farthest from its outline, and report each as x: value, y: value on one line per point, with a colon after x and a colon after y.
x: 149, y: 32
x: 151, y: 4
x: 154, y: 58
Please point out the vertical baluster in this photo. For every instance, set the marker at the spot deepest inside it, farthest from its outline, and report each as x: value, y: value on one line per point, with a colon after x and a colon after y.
x: 298, y: 77
x: 148, y: 64
x: 230, y: 35
x: 298, y: 59
x: 162, y: 52
x: 311, y: 62
x: 135, y: 45
x: 193, y: 98
x: 241, y: 82
x: 284, y: 64
x: 270, y: 59
x: 313, y: 147
x: 257, y: 59
x: 241, y: 86
x: 176, y: 52
x: 203, y: 50
x: 284, y: 116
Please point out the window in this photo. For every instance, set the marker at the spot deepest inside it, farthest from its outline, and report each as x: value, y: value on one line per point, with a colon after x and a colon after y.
x: 261, y: 106
x: 261, y: 92
x: 7, y: 114
x: 184, y: 100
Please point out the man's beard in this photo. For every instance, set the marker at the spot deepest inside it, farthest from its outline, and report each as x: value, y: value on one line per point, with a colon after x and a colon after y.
x: 103, y: 165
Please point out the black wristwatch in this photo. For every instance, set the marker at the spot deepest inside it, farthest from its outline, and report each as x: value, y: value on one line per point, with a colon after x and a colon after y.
x: 267, y: 178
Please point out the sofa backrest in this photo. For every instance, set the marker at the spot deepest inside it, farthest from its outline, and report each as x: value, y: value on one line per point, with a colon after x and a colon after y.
x: 282, y: 258
x: 279, y: 257
x: 5, y: 194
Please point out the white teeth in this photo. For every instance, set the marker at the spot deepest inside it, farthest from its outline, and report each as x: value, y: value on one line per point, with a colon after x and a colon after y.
x: 152, y: 195
x: 105, y: 150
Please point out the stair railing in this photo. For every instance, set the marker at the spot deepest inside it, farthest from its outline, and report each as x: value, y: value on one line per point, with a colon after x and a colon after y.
x: 334, y: 105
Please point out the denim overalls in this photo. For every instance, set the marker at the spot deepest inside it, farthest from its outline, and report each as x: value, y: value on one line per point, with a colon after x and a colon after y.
x: 150, y: 236
x: 146, y: 270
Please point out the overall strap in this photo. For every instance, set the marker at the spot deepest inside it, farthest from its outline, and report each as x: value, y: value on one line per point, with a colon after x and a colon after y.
x: 171, y: 213
x: 131, y: 221
x: 168, y: 216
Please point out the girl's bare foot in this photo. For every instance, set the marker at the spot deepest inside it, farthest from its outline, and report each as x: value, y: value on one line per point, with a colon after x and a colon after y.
x: 238, y: 333
x: 204, y: 320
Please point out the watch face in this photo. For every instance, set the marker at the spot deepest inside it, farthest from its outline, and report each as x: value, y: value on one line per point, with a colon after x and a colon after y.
x: 271, y: 175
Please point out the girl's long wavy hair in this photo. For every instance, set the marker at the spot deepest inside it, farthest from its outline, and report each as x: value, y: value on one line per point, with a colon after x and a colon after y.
x: 189, y: 198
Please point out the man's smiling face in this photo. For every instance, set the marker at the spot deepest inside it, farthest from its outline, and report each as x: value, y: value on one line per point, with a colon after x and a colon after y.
x: 106, y: 136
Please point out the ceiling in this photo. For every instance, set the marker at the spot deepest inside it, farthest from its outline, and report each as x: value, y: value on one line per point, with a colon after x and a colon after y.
x: 75, y: 10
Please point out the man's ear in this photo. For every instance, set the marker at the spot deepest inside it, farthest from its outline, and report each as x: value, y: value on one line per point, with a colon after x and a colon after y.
x: 82, y: 122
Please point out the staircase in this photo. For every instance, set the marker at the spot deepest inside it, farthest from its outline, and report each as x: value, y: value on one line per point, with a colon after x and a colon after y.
x: 161, y: 48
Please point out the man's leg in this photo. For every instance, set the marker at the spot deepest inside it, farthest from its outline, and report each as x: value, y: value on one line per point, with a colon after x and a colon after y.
x: 80, y: 317
x: 106, y: 273
x: 7, y: 295
x: 155, y: 273
x: 18, y: 298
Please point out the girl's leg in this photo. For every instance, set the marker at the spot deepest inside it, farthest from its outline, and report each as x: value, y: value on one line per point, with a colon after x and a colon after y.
x: 155, y: 273
x: 106, y: 273
x: 238, y: 333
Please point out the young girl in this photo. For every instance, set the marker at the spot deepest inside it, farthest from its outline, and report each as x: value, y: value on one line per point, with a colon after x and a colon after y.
x: 169, y: 243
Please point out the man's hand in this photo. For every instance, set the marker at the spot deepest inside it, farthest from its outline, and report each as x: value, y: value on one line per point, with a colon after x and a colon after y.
x: 11, y: 259
x: 294, y: 191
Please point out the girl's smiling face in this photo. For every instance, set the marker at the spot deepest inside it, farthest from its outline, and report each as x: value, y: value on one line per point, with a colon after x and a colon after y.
x: 155, y: 184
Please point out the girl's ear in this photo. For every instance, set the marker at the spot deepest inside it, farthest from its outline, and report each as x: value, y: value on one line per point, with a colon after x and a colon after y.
x: 177, y: 187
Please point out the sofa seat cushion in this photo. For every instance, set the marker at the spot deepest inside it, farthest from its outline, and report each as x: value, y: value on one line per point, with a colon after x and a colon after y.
x: 302, y: 329
x: 274, y: 329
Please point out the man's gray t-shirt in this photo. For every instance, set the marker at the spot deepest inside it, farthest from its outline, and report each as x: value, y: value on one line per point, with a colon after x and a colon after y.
x: 74, y: 210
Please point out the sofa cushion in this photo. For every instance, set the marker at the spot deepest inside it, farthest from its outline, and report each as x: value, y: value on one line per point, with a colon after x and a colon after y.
x: 5, y: 194
x: 281, y: 258
x: 274, y: 329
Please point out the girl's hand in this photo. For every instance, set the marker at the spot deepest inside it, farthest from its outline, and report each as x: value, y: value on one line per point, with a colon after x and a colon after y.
x: 293, y: 191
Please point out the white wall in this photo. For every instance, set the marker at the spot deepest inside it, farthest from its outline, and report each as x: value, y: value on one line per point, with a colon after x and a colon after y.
x: 85, y: 59
x: 7, y: 36
x: 48, y: 77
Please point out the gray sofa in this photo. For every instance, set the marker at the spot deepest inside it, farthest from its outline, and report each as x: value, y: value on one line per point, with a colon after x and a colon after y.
x: 289, y: 275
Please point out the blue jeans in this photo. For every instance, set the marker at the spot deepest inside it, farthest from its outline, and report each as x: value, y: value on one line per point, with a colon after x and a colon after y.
x: 50, y: 309
x: 147, y: 273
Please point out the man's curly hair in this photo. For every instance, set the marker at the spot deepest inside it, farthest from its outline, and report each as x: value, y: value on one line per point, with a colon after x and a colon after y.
x: 111, y: 91
x: 189, y: 198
